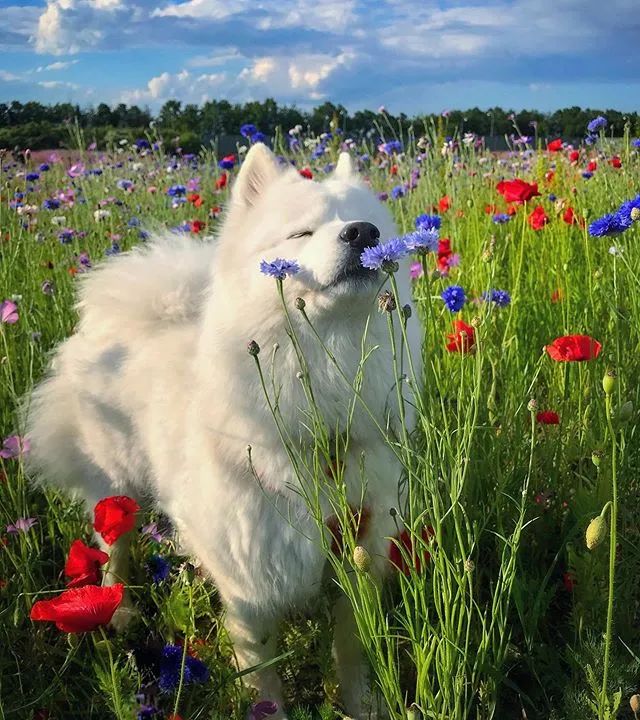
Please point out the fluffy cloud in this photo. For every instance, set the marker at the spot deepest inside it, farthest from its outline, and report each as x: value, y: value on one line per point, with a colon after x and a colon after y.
x: 182, y: 85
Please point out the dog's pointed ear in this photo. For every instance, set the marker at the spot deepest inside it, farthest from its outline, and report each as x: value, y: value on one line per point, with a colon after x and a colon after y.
x: 259, y: 168
x: 345, y: 167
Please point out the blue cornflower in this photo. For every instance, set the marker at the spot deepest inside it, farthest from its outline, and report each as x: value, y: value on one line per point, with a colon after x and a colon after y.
x: 591, y: 139
x: 95, y: 171
x: 422, y: 239
x: 427, y: 222
x: 500, y: 297
x: 611, y: 224
x: 501, y: 218
x: 279, y: 268
x: 133, y: 222
x: 318, y: 151
x: 552, y: 197
x: 596, y: 124
x: 32, y: 176
x: 171, y: 664
x: 142, y: 144
x: 124, y: 184
x: 114, y: 249
x: 143, y: 235
x: 624, y: 211
x: 587, y: 175
x: 176, y: 190
x: 227, y: 163
x: 454, y: 298
x: 384, y: 255
x: 159, y: 568
x: 66, y: 236
x: 258, y: 137
x: 43, y: 167
x: 636, y: 142
x: 397, y: 192
x: 388, y: 148
x: 383, y: 196
x: 51, y: 204
x: 328, y: 168
x: 248, y: 130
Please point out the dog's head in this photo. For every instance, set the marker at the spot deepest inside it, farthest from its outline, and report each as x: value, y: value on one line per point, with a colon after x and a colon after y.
x: 324, y: 227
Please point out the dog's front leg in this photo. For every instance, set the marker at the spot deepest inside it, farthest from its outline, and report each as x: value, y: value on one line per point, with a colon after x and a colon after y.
x: 117, y: 571
x: 254, y: 639
x: 351, y: 667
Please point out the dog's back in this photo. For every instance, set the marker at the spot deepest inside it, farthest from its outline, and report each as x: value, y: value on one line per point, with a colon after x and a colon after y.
x: 79, y: 422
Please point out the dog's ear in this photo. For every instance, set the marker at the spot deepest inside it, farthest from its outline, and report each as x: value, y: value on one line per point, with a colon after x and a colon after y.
x: 345, y: 168
x: 259, y: 168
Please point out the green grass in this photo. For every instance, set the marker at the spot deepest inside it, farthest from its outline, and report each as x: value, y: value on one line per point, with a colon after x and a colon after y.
x: 512, y: 614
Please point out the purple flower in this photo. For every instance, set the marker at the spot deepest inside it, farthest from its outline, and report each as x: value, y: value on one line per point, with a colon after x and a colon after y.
x: 262, y: 709
x: 8, y: 312
x: 501, y: 218
x: 248, y: 130
x: 14, y: 446
x: 388, y: 148
x: 176, y: 190
x: 636, y: 142
x: 397, y: 192
x: 422, y: 239
x: 66, y: 235
x: 124, y: 184
x: 171, y: 665
x: 32, y: 176
x: 21, y: 525
x: 454, y: 298
x: 51, y: 204
x: 159, y: 568
x: 43, y: 167
x: 279, y: 268
x: 384, y: 255
x: 152, y: 531
x: 76, y: 170
x: 596, y: 124
x: 415, y: 270
x: 428, y: 222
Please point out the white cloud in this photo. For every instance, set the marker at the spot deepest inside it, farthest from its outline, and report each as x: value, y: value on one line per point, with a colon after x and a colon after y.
x: 6, y: 76
x: 59, y: 65
x: 182, y: 86
x: 57, y: 84
x: 211, y: 9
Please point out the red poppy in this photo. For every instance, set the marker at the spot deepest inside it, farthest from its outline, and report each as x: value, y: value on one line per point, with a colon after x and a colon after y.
x: 491, y: 209
x: 569, y: 581
x: 214, y: 212
x: 570, y: 217
x: 574, y: 156
x: 444, y: 253
x: 194, y: 199
x: 616, y: 162
x: 555, y: 145
x: 359, y: 525
x: 114, y: 516
x: 80, y: 609
x: 538, y: 218
x: 548, y: 417
x: 592, y: 166
x: 574, y: 348
x: 221, y: 182
x: 549, y: 175
x: 517, y: 190
x: 393, y: 170
x: 397, y: 556
x: 83, y: 564
x: 556, y: 295
x: 306, y: 173
x: 197, y: 226
x: 444, y: 203
x: 512, y: 210
x: 463, y: 340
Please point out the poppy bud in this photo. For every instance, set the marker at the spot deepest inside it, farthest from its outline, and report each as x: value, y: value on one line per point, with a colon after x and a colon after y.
x: 596, y: 532
x: 634, y: 701
x: 609, y: 382
x: 361, y: 558
x: 476, y: 321
x: 469, y: 565
x: 532, y: 405
x: 407, y: 311
x: 625, y: 413
x: 300, y: 303
x: 253, y: 348
x: 596, y: 457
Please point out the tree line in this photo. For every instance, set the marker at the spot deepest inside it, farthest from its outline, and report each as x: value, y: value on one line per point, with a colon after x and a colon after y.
x: 39, y: 126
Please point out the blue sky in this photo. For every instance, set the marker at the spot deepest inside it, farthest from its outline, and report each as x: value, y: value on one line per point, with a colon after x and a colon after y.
x: 418, y: 56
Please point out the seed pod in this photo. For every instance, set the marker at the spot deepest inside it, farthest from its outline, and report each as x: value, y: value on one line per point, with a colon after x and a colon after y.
x: 532, y: 405
x: 361, y: 558
x: 386, y: 301
x: 635, y: 215
x: 596, y: 457
x: 609, y: 382
x: 634, y: 701
x: 596, y: 532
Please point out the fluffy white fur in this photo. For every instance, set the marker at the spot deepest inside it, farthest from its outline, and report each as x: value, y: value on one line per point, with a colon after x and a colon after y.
x: 155, y: 396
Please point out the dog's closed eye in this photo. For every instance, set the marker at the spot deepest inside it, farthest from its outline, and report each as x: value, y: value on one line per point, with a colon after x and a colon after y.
x: 300, y: 234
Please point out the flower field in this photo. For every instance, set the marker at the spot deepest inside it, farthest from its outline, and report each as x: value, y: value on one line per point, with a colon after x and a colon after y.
x: 525, y: 602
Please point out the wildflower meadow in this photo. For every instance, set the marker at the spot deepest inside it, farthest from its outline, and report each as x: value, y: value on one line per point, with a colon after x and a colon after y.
x: 516, y: 583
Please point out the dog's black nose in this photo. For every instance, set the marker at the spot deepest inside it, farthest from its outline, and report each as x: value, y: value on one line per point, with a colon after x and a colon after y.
x: 360, y: 235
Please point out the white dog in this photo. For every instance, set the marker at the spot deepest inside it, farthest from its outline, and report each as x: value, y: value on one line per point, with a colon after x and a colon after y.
x: 155, y: 396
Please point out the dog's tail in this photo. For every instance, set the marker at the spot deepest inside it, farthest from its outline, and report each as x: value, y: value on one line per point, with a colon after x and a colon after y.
x: 158, y: 283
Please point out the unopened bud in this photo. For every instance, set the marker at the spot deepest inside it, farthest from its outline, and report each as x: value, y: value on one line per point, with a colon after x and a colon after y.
x: 609, y: 382
x: 253, y: 348
x: 596, y: 457
x: 532, y: 405
x: 476, y: 321
x: 469, y: 565
x: 300, y: 303
x: 635, y: 215
x: 407, y: 311
x: 625, y: 413
x: 634, y: 701
x: 361, y: 558
x: 596, y: 532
